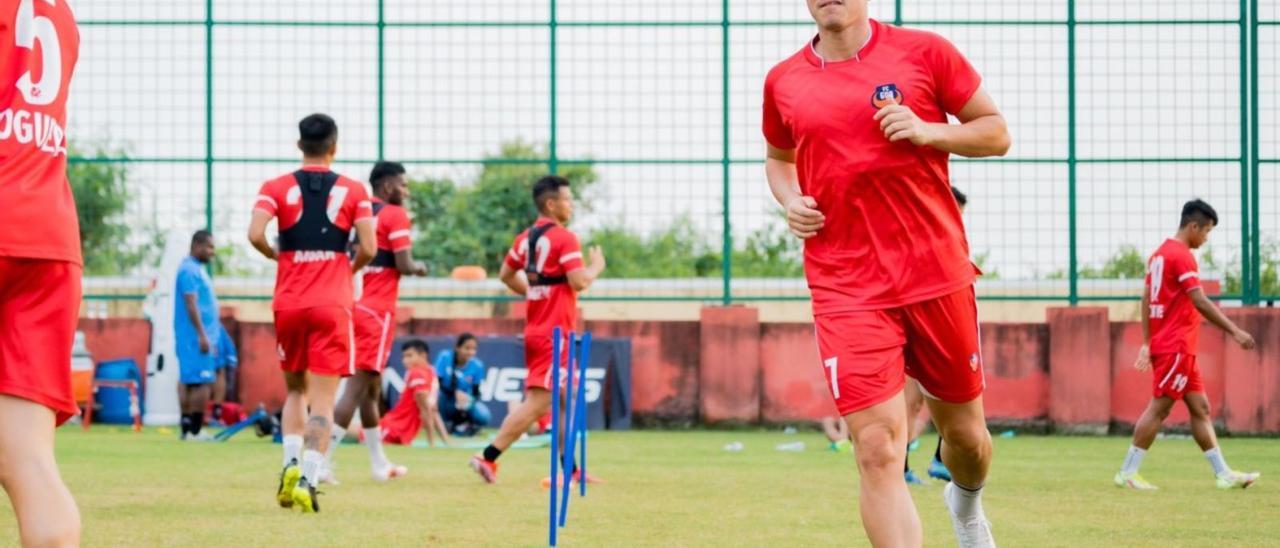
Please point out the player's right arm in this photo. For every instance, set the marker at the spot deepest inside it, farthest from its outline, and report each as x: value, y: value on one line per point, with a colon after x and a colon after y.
x: 258, y: 233
x: 513, y: 279
x: 1216, y: 317
x: 512, y: 271
x: 803, y: 217
x: 264, y: 209
x: 366, y: 244
x: 1143, y: 362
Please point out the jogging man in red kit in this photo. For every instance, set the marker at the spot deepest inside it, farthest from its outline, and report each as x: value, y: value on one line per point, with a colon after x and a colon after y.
x: 856, y: 124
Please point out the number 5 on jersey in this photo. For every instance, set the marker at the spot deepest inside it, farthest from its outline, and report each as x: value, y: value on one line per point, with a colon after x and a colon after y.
x: 28, y: 30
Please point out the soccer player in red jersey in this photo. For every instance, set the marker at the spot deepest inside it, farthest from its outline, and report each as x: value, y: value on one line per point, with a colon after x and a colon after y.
x: 39, y: 269
x: 375, y: 318
x: 1172, y: 306
x: 419, y: 401
x: 856, y: 124
x: 316, y: 210
x: 545, y: 266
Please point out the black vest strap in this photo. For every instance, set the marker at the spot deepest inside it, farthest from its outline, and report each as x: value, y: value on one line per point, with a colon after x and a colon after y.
x: 314, y: 231
x: 384, y: 258
x: 536, y: 233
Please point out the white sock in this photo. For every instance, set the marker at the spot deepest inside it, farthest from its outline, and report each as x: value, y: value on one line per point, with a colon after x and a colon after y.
x: 966, y: 503
x: 373, y: 440
x: 1218, y: 462
x: 336, y: 433
x: 1133, y: 460
x: 292, y: 447
x: 312, y: 462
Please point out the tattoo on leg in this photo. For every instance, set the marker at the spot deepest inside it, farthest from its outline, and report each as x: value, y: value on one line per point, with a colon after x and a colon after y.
x: 317, y: 428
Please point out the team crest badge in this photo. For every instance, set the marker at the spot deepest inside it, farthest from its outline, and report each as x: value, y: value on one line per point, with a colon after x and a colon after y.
x: 885, y: 95
x: 973, y: 361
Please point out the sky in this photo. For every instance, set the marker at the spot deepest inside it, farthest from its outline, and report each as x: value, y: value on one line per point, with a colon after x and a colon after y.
x: 643, y: 98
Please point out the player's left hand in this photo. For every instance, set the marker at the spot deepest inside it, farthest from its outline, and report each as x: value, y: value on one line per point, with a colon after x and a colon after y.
x: 899, y: 122
x: 1143, y: 362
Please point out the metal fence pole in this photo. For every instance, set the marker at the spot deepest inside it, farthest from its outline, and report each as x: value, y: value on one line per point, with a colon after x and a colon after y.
x: 382, y: 75
x: 553, y: 161
x: 208, y: 115
x: 1253, y: 244
x: 1073, y: 267
x: 726, y: 259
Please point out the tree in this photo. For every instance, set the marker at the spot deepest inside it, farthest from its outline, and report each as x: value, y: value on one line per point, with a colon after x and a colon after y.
x: 676, y: 252
x: 1126, y: 264
x: 1232, y: 282
x: 474, y: 224
x: 102, y: 194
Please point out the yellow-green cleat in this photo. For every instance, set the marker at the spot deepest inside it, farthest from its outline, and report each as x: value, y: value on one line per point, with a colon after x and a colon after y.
x: 304, y: 497
x: 1133, y: 481
x: 1237, y: 480
x: 288, y: 480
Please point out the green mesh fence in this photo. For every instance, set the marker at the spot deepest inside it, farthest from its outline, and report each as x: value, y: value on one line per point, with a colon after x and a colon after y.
x: 1120, y: 111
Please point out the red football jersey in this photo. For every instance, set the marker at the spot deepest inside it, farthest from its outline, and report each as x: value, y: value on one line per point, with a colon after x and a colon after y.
x: 39, y: 46
x: 558, y: 253
x: 306, y: 279
x: 893, y: 234
x: 1172, y: 273
x: 401, y: 424
x: 382, y: 282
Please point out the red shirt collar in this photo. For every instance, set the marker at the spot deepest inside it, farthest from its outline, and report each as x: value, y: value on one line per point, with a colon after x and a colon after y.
x: 811, y: 52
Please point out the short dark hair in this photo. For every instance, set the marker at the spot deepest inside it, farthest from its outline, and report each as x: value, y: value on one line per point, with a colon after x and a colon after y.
x: 382, y: 171
x: 546, y: 188
x: 201, y: 237
x: 960, y: 197
x: 317, y: 133
x: 463, y: 338
x: 416, y: 344
x: 1198, y: 211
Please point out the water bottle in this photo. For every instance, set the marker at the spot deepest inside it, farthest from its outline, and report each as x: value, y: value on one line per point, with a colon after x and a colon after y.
x: 793, y: 447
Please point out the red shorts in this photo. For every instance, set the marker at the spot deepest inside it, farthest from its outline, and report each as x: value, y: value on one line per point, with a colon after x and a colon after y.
x: 39, y: 308
x: 1174, y: 375
x: 375, y: 331
x: 866, y: 354
x: 538, y: 352
x: 318, y: 340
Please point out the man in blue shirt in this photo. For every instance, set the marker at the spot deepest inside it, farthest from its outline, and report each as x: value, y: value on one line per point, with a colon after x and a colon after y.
x: 460, y: 372
x: 196, y: 333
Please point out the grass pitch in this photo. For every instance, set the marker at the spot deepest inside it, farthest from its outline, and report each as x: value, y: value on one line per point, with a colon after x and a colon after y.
x: 664, y: 489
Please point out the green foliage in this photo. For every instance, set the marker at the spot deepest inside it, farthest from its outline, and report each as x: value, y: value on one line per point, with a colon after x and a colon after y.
x: 1126, y: 264
x: 981, y: 260
x: 102, y: 195
x: 677, y: 252
x: 770, y: 252
x: 473, y: 224
x: 1232, y: 282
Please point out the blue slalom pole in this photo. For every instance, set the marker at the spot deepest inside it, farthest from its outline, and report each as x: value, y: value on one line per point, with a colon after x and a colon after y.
x: 570, y: 420
x: 555, y: 431
x: 584, y: 361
